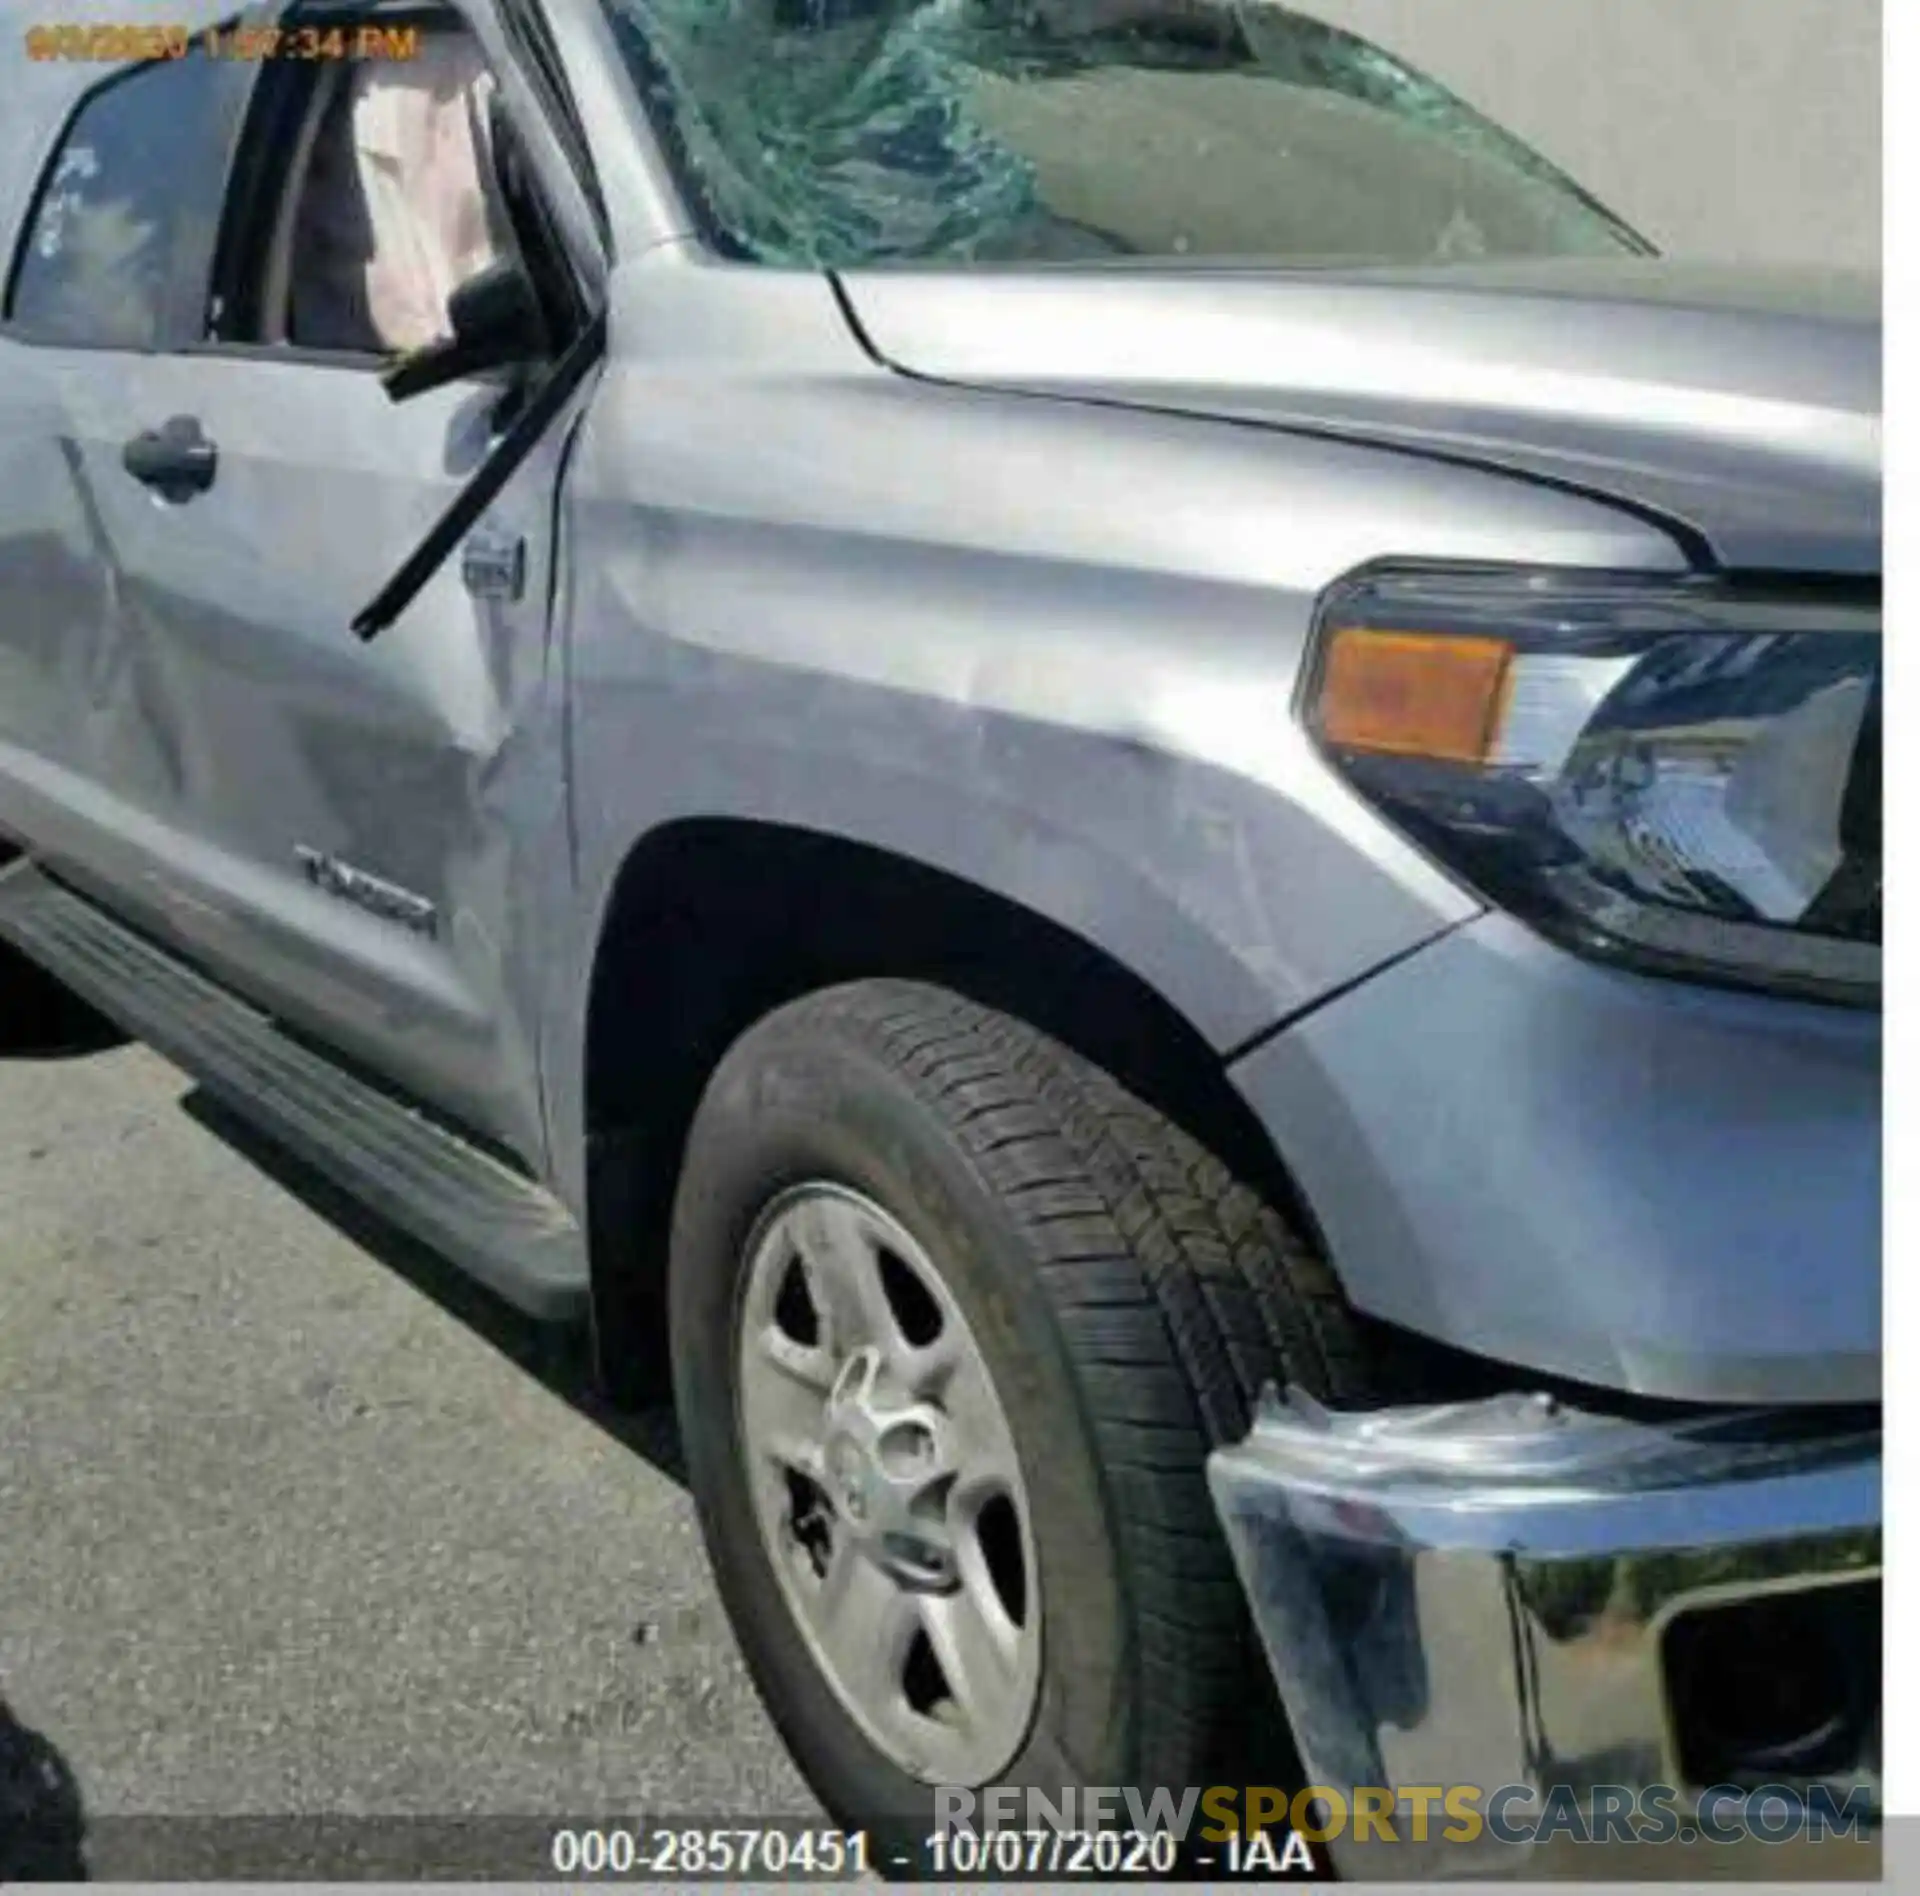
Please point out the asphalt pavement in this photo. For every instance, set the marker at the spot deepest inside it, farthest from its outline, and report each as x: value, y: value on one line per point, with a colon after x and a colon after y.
x: 294, y: 1520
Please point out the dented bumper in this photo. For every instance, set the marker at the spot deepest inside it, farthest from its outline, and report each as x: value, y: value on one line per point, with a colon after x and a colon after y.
x: 1516, y: 1593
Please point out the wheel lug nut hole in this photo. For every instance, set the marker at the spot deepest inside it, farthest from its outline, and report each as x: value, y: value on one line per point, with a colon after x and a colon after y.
x: 920, y: 1559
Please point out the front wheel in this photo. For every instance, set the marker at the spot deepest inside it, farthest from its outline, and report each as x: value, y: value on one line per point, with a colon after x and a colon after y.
x: 955, y: 1321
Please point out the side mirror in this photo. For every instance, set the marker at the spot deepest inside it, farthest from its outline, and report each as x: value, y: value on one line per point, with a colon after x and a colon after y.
x: 497, y: 323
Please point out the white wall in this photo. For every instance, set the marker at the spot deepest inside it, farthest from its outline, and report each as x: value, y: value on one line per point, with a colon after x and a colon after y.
x: 1744, y: 129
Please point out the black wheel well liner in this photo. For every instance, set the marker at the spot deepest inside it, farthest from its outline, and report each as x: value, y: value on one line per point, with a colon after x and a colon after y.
x: 716, y: 922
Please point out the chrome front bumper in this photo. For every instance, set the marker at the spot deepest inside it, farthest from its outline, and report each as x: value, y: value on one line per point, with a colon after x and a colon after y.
x: 1516, y: 1593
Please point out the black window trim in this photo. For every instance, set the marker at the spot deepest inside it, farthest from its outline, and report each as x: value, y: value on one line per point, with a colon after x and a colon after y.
x: 244, y: 208
x: 530, y: 33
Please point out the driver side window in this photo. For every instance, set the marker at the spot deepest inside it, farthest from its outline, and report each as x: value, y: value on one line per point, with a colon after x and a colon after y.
x: 397, y: 206
x: 380, y: 195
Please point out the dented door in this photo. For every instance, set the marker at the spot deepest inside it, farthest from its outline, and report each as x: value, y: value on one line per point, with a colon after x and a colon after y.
x: 344, y: 830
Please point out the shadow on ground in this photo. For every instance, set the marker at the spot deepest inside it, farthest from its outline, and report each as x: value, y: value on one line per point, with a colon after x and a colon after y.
x: 42, y: 1819
x: 42, y: 1020
x: 559, y: 1359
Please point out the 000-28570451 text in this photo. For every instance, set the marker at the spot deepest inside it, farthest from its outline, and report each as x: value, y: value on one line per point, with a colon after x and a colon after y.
x: 745, y: 1851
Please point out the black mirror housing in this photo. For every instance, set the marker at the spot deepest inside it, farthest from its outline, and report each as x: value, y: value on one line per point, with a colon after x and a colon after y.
x: 497, y: 323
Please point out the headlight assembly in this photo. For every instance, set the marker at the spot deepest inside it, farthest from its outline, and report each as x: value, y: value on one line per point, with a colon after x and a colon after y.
x: 1681, y: 775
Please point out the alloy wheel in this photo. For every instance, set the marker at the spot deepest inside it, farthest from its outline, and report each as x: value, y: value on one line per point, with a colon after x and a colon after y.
x: 886, y: 1485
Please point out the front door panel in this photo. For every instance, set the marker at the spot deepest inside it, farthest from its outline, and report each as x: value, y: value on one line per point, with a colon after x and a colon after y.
x: 337, y: 827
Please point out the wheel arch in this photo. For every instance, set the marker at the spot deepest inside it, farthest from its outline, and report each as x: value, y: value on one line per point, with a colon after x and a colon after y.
x: 712, y: 922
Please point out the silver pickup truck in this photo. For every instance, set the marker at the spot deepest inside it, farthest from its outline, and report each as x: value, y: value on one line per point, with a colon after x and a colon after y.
x: 1075, y: 748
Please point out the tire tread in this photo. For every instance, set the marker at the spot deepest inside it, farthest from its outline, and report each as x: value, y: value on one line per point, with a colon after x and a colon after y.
x: 1178, y: 1291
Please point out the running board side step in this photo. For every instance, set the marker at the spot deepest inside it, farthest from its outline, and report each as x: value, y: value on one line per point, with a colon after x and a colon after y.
x: 500, y: 1226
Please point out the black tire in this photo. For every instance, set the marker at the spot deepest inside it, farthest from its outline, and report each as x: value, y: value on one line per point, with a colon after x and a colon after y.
x: 1130, y: 1297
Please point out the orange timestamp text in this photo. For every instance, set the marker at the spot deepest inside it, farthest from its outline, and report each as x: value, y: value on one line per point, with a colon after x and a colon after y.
x: 125, y: 42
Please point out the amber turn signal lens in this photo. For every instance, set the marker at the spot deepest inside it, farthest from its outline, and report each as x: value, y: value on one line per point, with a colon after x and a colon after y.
x: 1415, y: 694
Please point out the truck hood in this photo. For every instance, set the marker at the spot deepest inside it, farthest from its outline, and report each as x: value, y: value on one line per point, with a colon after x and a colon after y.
x: 1741, y: 407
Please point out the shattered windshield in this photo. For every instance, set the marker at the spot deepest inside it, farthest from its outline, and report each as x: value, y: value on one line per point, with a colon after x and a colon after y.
x: 836, y: 133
